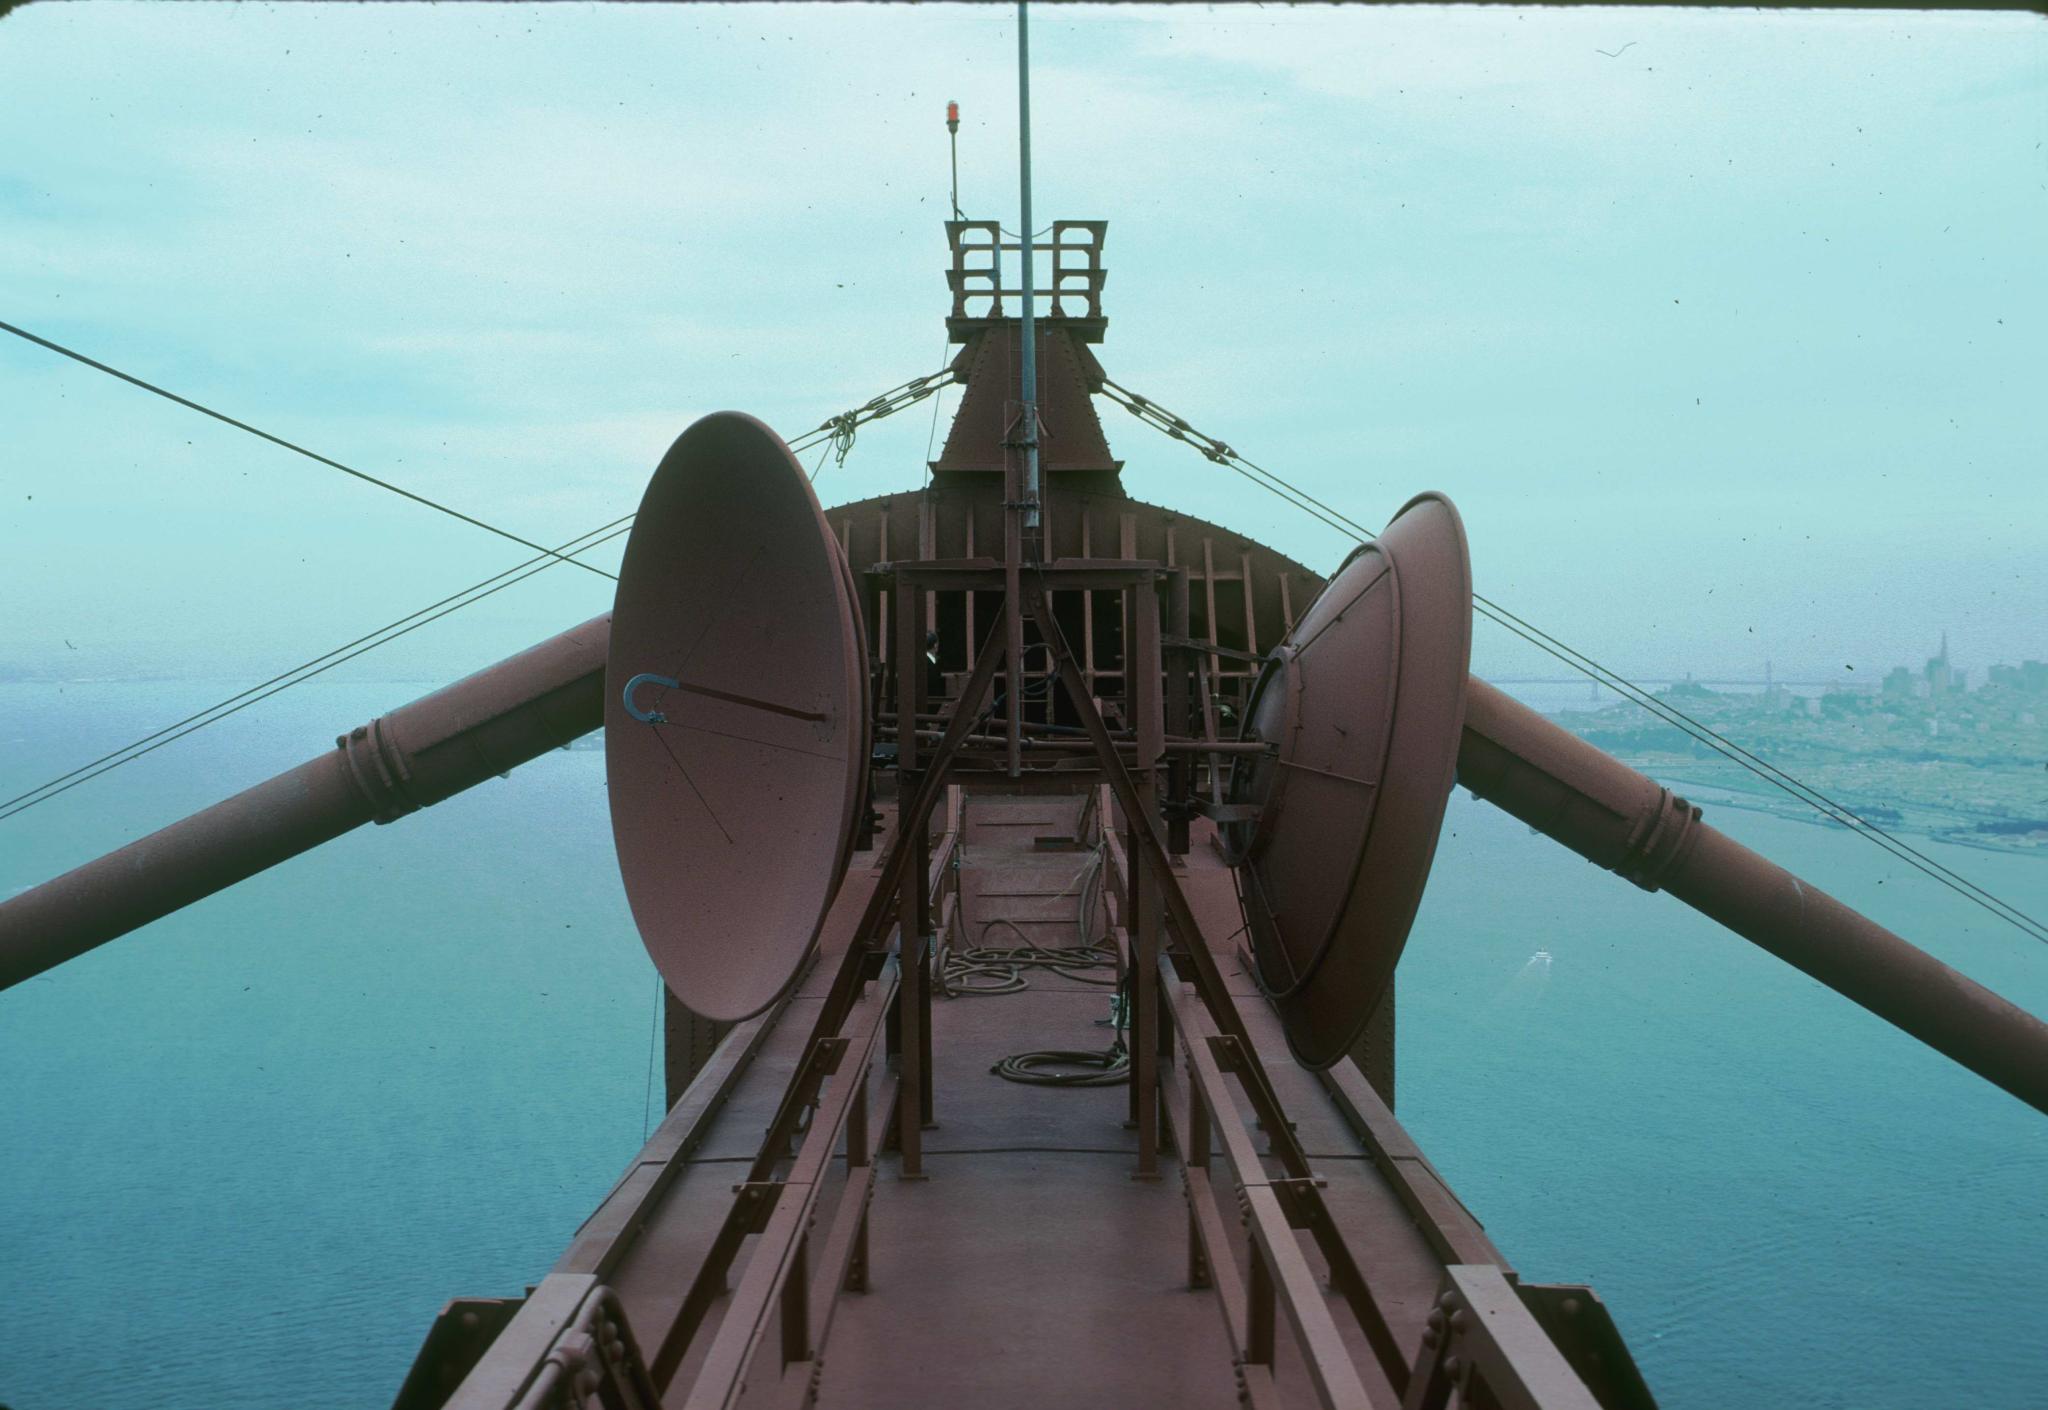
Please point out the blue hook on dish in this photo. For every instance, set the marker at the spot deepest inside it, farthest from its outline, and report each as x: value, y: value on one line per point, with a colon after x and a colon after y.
x: 646, y: 717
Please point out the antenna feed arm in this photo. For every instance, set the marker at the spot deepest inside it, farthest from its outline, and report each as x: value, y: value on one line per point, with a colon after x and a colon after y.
x: 482, y: 726
x: 412, y: 758
x: 1565, y: 788
x: 1618, y: 819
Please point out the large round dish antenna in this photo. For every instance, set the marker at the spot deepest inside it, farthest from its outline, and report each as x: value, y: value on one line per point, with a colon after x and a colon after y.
x: 1365, y: 700
x: 736, y: 717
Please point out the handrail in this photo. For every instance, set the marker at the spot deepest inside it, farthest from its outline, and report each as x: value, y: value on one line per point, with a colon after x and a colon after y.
x: 779, y: 1211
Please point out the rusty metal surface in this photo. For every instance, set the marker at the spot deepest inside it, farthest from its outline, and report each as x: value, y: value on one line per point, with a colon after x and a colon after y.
x: 478, y: 728
x: 976, y: 275
x: 571, y: 1344
x: 1073, y: 437
x: 1028, y: 1235
x: 1486, y: 1348
x: 458, y: 1339
x: 777, y: 1284
x: 1363, y: 699
x: 978, y: 1297
x: 1621, y: 820
x: 1278, y: 1277
x: 1243, y: 595
x: 1579, y: 1322
x: 734, y: 805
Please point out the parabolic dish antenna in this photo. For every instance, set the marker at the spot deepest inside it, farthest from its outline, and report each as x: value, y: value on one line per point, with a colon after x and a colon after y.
x: 1366, y: 701
x: 736, y: 717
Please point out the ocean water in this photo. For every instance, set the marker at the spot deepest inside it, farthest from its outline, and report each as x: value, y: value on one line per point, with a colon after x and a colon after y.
x: 248, y: 1152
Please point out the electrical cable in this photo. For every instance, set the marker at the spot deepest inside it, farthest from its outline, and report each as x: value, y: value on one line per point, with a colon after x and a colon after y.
x: 1678, y: 719
x: 562, y: 553
x: 983, y: 970
x: 1222, y: 454
x: 571, y: 545
x: 938, y: 404
x: 653, y: 1038
x: 1067, y: 1067
x: 296, y: 449
x: 171, y: 737
x: 840, y: 429
x: 1075, y: 1067
x: 989, y: 970
x: 1004, y: 965
x: 1775, y: 776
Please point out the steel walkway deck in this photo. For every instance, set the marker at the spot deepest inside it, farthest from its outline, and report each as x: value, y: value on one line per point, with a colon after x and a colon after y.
x: 1030, y: 1266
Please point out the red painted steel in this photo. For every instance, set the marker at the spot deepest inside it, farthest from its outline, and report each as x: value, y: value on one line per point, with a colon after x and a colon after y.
x: 1363, y: 699
x: 734, y: 810
x: 982, y: 427
x: 1617, y: 818
x: 419, y: 754
x: 736, y: 699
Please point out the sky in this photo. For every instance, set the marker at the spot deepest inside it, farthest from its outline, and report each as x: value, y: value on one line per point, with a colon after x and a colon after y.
x: 1728, y: 341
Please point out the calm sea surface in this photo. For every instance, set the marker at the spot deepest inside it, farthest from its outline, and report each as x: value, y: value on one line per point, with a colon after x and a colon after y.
x: 248, y: 1152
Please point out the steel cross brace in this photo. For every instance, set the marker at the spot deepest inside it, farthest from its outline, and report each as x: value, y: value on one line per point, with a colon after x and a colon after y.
x: 1232, y: 1047
x: 1152, y: 856
x: 864, y: 947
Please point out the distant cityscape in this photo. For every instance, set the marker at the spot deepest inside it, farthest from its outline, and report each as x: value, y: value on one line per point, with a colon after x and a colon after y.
x: 1939, y: 678
x: 1920, y: 750
x: 1927, y: 750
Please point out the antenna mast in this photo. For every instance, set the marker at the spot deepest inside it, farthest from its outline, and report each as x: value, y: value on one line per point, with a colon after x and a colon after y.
x: 1028, y: 387
x: 953, y: 142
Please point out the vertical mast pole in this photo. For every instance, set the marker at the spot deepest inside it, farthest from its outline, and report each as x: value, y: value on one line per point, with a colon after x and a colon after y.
x: 1021, y: 537
x: 1028, y: 388
x: 953, y: 142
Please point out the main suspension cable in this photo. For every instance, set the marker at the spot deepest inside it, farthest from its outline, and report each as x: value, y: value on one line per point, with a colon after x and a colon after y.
x: 1223, y: 454
x: 296, y: 449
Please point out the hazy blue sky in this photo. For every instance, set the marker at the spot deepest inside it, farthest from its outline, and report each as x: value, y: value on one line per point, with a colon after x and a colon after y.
x: 1729, y: 348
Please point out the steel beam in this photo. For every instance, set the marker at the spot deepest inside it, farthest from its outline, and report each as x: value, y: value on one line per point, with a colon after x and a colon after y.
x: 1143, y: 665
x: 1061, y: 575
x: 1617, y: 818
x: 480, y: 727
x: 913, y: 908
x: 1486, y: 1348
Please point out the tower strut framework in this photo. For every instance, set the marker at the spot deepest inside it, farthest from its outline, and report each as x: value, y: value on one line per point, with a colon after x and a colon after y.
x: 689, y: 1287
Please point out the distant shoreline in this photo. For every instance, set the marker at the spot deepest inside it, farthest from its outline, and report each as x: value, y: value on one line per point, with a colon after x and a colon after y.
x: 1792, y: 810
